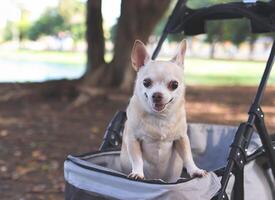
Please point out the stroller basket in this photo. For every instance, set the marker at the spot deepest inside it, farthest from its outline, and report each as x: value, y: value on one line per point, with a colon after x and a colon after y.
x: 98, y: 175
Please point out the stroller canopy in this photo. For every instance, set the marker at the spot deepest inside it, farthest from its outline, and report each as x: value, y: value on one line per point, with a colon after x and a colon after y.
x: 190, y: 17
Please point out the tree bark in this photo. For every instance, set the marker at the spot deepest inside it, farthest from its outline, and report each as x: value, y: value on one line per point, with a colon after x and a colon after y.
x: 137, y: 21
x: 212, y: 49
x: 252, y: 39
x: 94, y: 36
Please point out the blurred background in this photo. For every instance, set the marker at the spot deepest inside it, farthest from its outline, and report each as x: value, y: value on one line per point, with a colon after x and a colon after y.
x: 65, y: 70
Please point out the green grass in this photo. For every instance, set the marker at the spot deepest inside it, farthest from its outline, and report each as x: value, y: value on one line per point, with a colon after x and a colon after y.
x: 224, y: 72
x: 197, y: 71
x: 56, y: 57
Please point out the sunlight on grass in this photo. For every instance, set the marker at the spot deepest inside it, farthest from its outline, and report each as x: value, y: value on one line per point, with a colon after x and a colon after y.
x: 56, y: 57
x: 224, y: 72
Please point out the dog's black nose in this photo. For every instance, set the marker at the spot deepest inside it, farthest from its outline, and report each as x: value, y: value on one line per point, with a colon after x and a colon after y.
x: 157, y: 97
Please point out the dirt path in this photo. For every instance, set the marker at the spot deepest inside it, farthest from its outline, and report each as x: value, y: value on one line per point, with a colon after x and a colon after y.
x: 37, y: 131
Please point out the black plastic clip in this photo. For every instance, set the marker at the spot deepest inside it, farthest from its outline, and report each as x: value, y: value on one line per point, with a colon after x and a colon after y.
x: 256, y: 110
x: 238, y: 156
x: 238, y: 153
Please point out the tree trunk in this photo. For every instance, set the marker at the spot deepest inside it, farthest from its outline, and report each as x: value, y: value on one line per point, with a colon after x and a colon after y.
x: 212, y: 49
x: 137, y: 21
x: 134, y: 25
x: 94, y: 36
x: 252, y: 41
x: 251, y: 50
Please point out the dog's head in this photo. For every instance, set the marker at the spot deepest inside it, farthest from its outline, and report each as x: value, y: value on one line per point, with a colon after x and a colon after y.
x: 159, y: 85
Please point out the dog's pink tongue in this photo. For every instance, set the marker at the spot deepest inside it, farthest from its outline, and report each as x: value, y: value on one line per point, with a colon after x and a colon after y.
x: 159, y: 107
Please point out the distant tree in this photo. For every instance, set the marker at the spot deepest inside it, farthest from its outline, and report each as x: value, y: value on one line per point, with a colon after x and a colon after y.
x: 252, y: 39
x: 18, y: 30
x: 215, y: 34
x: 77, y: 31
x: 200, y: 4
x: 73, y: 13
x: 8, y: 32
x: 69, y: 8
x: 23, y: 25
x: 113, y: 32
x: 49, y: 23
x: 236, y: 31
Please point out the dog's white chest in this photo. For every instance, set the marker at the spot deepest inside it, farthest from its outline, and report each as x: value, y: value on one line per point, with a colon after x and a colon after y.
x: 157, y: 153
x: 158, y: 131
x: 161, y: 160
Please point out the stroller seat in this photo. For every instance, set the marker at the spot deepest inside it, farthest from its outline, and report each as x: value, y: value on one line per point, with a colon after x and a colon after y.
x: 98, y: 175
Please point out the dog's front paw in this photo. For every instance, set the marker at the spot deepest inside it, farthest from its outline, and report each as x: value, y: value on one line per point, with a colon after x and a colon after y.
x: 136, y: 176
x: 196, y: 172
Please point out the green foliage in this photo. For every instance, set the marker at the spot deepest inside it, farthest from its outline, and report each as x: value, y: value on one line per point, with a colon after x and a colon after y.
x: 72, y: 12
x: 50, y: 23
x: 236, y: 31
x: 68, y: 8
x: 195, y: 4
x: 214, y: 31
x: 113, y: 32
x: 8, y: 31
x: 77, y: 31
x: 19, y: 29
x: 23, y: 25
x: 68, y: 16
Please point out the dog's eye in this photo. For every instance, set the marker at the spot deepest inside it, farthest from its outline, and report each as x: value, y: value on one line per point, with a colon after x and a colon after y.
x: 173, y: 85
x: 147, y: 82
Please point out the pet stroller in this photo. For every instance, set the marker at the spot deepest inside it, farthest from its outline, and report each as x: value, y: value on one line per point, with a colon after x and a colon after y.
x: 240, y: 160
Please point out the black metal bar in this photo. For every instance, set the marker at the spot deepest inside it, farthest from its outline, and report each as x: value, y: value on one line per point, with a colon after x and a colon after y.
x: 266, y: 141
x: 261, y: 88
x: 238, y: 189
x: 157, y: 50
x: 256, y: 115
x: 245, y: 130
x: 237, y: 156
x: 164, y: 32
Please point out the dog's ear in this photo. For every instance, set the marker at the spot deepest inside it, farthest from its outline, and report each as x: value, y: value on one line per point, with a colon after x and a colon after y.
x: 139, y: 56
x: 179, y: 58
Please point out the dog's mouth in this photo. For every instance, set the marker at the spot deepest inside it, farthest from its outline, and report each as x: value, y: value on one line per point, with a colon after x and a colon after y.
x: 158, y: 107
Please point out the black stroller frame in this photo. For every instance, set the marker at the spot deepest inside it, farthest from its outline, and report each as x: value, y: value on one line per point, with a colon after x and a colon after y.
x: 262, y: 17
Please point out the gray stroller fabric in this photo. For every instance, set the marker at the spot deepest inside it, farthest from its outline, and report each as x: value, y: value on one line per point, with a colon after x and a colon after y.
x: 210, y: 147
x: 99, y: 174
x: 122, y: 188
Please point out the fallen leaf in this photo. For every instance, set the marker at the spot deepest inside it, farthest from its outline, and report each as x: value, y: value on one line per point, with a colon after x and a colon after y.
x: 54, y: 164
x: 17, y: 153
x: 38, y: 188
x: 95, y: 129
x: 3, y: 169
x: 23, y: 170
x: 4, y: 133
x: 38, y: 155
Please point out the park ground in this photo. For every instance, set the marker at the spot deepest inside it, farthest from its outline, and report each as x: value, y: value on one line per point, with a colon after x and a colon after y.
x: 39, y: 128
